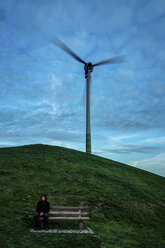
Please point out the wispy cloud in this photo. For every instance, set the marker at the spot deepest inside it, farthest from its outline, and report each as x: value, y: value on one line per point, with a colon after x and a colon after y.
x: 154, y: 164
x: 127, y: 149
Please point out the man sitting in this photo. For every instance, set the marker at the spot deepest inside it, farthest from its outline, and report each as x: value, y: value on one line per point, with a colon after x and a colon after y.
x: 42, y: 210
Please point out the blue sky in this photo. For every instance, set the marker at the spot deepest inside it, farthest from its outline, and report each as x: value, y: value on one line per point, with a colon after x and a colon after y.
x: 42, y: 89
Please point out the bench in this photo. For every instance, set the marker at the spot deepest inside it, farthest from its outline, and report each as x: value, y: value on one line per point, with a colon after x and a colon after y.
x: 68, y: 213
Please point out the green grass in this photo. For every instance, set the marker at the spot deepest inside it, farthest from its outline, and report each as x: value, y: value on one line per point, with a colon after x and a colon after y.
x: 127, y: 205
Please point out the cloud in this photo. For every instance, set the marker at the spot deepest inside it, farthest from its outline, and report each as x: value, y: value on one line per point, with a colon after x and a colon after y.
x: 128, y: 149
x: 154, y: 164
x: 157, y: 140
x: 38, y: 123
x: 56, y: 143
x: 129, y: 108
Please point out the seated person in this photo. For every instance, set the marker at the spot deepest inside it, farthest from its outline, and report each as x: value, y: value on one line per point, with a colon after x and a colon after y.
x: 42, y: 210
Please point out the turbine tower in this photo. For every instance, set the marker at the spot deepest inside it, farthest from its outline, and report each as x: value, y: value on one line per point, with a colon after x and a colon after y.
x: 88, y: 67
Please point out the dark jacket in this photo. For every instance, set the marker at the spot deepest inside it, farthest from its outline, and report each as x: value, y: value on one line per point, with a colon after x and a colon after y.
x: 43, y: 206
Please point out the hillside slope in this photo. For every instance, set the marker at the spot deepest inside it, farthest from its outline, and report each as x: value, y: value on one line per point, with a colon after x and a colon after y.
x: 126, y: 204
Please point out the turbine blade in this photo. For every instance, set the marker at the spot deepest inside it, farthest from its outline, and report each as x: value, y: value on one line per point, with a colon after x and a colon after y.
x: 61, y: 45
x: 118, y: 59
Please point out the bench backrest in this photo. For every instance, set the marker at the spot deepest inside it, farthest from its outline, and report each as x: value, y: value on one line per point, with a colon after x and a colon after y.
x: 61, y: 210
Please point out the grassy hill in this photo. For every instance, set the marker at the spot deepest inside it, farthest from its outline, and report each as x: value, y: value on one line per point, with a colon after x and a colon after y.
x: 127, y: 205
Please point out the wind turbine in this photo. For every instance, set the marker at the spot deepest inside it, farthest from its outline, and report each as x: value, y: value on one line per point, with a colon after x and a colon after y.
x: 88, y: 67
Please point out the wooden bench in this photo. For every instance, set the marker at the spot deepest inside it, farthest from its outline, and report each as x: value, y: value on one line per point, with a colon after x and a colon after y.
x: 75, y: 213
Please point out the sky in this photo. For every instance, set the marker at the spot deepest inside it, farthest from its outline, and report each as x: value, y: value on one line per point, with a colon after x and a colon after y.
x: 42, y: 89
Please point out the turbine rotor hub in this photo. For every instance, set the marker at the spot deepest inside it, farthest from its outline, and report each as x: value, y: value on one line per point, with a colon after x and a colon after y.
x: 88, y: 67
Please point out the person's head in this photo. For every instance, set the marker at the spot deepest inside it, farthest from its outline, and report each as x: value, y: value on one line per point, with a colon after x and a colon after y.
x: 43, y: 198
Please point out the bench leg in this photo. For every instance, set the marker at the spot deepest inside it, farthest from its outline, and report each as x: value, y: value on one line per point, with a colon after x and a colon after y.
x: 80, y: 224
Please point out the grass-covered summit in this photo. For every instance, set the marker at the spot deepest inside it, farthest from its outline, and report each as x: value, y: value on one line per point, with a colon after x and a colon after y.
x: 127, y: 205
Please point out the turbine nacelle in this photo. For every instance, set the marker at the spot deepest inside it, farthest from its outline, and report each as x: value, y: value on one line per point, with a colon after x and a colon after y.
x: 88, y: 67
